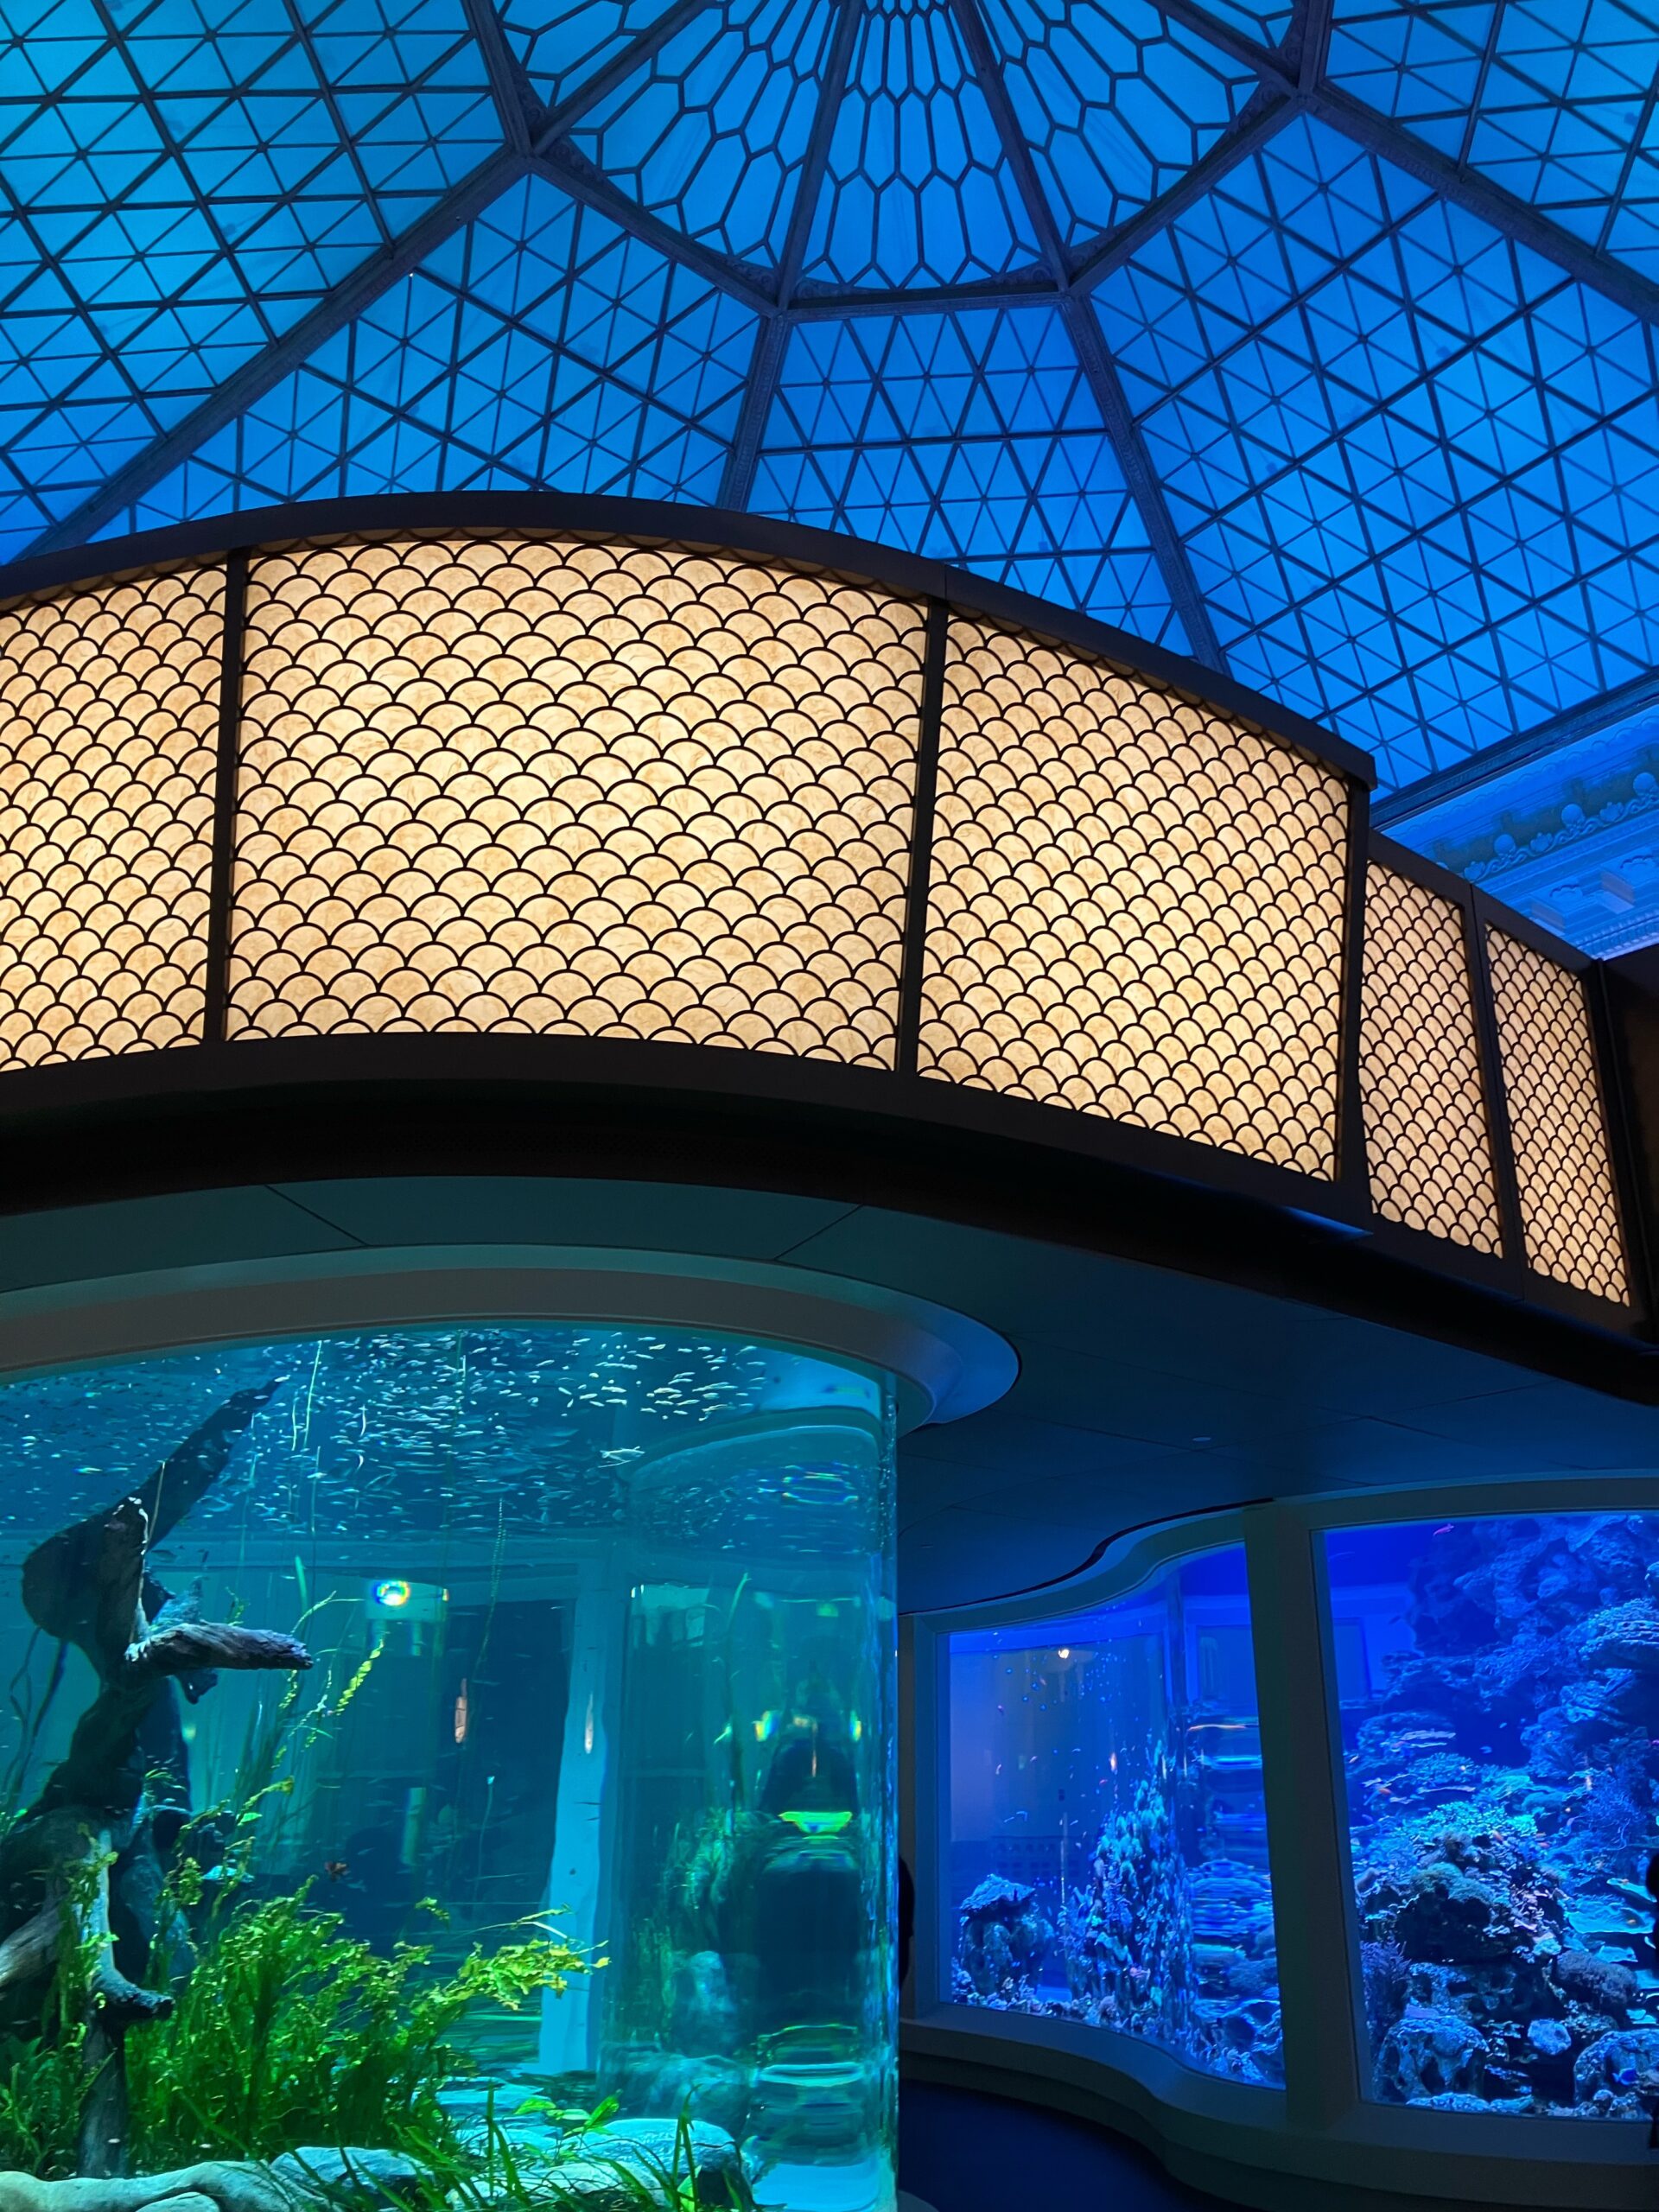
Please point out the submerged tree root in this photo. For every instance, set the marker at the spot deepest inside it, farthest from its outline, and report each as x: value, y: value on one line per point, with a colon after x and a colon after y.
x: 301, y: 2181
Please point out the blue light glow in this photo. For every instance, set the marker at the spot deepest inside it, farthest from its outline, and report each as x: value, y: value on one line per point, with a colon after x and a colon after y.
x: 1352, y: 394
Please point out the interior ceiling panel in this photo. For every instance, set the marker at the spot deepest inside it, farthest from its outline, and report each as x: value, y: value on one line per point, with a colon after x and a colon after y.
x: 1317, y: 342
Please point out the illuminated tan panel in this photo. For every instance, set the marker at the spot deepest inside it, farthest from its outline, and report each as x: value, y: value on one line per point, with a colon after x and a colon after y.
x: 611, y: 792
x: 1427, y: 1140
x: 1568, y: 1209
x: 1136, y: 906
x: 109, y: 719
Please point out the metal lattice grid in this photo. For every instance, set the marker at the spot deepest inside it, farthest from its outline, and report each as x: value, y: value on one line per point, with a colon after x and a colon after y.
x: 573, y: 788
x: 1427, y: 1141
x: 1569, y: 1207
x: 1136, y: 906
x: 182, y: 186
x: 1362, y: 324
x: 109, y: 719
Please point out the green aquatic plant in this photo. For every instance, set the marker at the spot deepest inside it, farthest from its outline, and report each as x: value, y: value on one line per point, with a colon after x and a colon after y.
x: 290, y: 2031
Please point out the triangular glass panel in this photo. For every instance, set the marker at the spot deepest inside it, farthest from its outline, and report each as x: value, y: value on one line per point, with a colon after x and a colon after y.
x: 1406, y: 429
x: 1553, y: 103
x: 971, y: 437
x: 598, y: 366
x: 194, y: 177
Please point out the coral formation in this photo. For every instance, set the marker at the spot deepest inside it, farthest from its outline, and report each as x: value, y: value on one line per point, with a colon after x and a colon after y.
x: 1501, y: 1791
x: 1003, y: 1940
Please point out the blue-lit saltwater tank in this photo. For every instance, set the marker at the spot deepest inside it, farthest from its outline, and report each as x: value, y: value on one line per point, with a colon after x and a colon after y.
x: 1499, y: 1689
x: 1107, y: 1833
x: 479, y: 1741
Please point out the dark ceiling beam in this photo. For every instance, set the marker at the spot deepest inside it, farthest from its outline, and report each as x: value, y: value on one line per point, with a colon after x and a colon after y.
x: 516, y: 105
x: 564, y: 167
x: 925, y: 299
x: 1308, y: 43
x: 1262, y: 117
x: 1606, y: 711
x: 250, y: 384
x: 1515, y: 218
x: 1236, y: 44
x: 555, y: 121
x: 772, y: 341
x: 1089, y: 343
x: 1082, y: 326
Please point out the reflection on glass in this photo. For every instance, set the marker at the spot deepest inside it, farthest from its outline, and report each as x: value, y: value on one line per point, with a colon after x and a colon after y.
x: 505, y: 1786
x: 1108, y: 1841
x: 1499, y: 1686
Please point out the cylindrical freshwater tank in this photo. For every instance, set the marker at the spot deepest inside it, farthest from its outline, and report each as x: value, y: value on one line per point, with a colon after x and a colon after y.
x: 571, y: 1850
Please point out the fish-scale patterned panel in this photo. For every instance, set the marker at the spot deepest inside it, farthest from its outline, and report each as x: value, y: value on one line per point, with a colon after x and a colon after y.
x: 1427, y: 1140
x: 1569, y: 1211
x: 550, y: 786
x: 109, y: 719
x: 1136, y: 906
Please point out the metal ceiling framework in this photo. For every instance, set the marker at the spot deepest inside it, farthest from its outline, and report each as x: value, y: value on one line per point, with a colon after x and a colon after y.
x: 1437, y: 212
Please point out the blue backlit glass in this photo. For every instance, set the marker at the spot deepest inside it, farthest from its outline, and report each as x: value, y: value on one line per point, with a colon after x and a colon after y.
x: 712, y: 131
x: 541, y: 348
x: 1503, y: 1777
x: 971, y: 438
x: 918, y: 190
x: 1553, y: 103
x: 1352, y: 393
x: 1107, y: 1842
x: 179, y: 181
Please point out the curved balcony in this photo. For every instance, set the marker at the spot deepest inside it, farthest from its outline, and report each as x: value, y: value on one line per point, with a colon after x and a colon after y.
x: 567, y: 771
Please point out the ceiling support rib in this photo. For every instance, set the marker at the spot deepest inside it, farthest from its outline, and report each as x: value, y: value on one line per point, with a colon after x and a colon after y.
x: 1262, y: 117
x: 1236, y: 44
x: 766, y: 372
x: 1309, y: 42
x: 516, y: 105
x: 1089, y: 343
x: 250, y: 384
x: 1141, y: 479
x: 1513, y: 218
x: 1639, y: 697
x: 556, y: 121
x: 588, y: 185
x: 772, y: 341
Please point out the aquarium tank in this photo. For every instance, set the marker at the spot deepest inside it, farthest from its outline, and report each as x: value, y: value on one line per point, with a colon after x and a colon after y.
x: 452, y: 1762
x: 1499, y: 1689
x: 1108, y: 1857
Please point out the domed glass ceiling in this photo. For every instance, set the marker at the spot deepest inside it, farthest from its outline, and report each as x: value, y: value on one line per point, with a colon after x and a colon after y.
x: 1317, y: 340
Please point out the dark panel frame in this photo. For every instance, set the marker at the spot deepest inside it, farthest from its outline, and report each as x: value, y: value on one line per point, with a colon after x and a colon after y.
x: 1510, y: 1272
x: 242, y: 1079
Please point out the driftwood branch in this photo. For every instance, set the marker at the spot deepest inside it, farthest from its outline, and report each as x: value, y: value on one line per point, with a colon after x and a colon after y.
x: 99, y: 1818
x: 194, y: 1644
x: 63, y: 1577
x: 30, y: 1952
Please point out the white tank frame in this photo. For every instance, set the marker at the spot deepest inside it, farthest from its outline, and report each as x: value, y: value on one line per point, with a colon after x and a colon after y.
x: 1320, y: 2141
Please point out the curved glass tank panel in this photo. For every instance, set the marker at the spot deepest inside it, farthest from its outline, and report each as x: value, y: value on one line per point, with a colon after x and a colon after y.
x: 470, y: 1746
x: 1499, y: 1689
x: 1108, y: 1838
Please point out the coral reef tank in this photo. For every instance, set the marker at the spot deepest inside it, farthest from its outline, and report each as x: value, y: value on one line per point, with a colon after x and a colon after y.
x: 455, y: 1764
x: 1108, y: 1839
x: 1499, y: 1685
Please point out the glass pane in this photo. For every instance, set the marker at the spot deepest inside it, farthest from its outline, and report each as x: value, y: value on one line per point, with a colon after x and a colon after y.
x: 540, y: 1762
x: 1108, y: 1841
x: 1499, y: 1689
